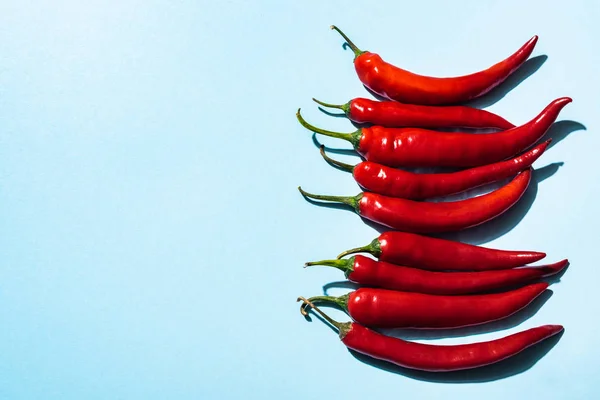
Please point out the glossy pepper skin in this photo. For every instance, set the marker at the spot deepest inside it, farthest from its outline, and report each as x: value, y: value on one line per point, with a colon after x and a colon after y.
x: 414, y: 147
x: 407, y: 249
x: 435, y: 358
x: 381, y: 308
x: 430, y: 217
x: 398, y: 84
x: 368, y: 272
x: 393, y: 182
x: 392, y: 114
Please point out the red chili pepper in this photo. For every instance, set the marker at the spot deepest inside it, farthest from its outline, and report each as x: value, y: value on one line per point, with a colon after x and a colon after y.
x: 414, y: 147
x: 397, y: 84
x: 394, y: 114
x: 381, y: 308
x: 429, y: 217
x: 435, y: 358
x: 435, y: 254
x: 368, y: 272
x: 393, y: 182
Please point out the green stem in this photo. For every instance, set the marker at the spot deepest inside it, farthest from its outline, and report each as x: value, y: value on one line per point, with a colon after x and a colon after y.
x: 344, y: 107
x: 352, y: 201
x: 341, y: 301
x: 356, y: 50
x: 353, y: 137
x: 345, y: 265
x: 373, y: 248
x: 339, y: 164
x: 342, y: 327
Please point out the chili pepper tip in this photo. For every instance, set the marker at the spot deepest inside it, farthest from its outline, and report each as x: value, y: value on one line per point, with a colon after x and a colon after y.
x: 556, y: 267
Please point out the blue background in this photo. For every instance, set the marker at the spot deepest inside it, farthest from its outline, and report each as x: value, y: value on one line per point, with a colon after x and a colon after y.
x: 151, y: 234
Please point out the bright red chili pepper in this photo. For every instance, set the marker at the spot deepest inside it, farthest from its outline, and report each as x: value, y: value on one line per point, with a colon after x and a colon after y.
x: 393, y: 182
x: 397, y: 84
x: 429, y: 217
x: 435, y: 254
x: 435, y: 358
x: 393, y: 114
x: 368, y: 272
x: 414, y: 147
x: 382, y: 308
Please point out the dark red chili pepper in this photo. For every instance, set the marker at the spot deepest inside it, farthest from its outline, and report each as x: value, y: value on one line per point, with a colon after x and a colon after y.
x: 381, y: 308
x: 393, y: 182
x: 429, y: 217
x: 435, y: 358
x: 393, y: 114
x: 397, y: 84
x: 435, y: 254
x: 368, y: 272
x: 414, y: 147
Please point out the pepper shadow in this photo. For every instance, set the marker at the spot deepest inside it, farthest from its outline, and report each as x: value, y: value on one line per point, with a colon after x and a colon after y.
x: 528, y: 68
x: 348, y: 152
x: 560, y: 130
x: 514, y: 365
x: 500, y: 225
x: 506, y: 222
x: 340, y: 285
x: 332, y: 114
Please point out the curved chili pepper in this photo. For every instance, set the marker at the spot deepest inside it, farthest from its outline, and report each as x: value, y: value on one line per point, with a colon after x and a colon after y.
x: 393, y: 182
x: 368, y: 272
x: 414, y: 147
x: 393, y: 114
x: 381, y: 308
x: 435, y: 254
x: 429, y: 217
x: 397, y: 84
x: 435, y: 358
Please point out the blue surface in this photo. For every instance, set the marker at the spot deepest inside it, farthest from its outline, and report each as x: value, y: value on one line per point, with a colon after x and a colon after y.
x: 152, y: 236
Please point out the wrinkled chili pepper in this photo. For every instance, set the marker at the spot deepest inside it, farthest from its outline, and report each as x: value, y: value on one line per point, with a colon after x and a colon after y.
x: 382, y: 308
x: 430, y: 217
x: 393, y: 114
x: 368, y: 272
x: 435, y: 254
x: 434, y: 358
x: 414, y: 147
x: 393, y: 182
x: 397, y: 84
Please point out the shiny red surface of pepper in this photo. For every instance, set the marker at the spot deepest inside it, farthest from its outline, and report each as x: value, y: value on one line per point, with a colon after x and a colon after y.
x: 435, y: 254
x: 393, y: 114
x: 368, y: 272
x: 398, y: 84
x: 435, y: 358
x: 382, y: 308
x: 393, y: 182
x: 414, y: 147
x: 429, y: 217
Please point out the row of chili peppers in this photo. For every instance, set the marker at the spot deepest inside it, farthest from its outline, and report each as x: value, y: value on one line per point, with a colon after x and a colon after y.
x: 426, y: 282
